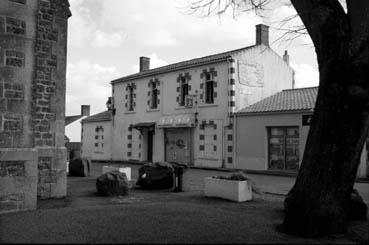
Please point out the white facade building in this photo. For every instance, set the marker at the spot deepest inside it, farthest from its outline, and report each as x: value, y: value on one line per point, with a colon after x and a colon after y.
x: 183, y: 112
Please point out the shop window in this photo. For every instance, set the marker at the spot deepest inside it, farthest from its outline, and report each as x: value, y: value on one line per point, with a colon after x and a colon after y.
x: 283, y: 148
x: 209, y: 89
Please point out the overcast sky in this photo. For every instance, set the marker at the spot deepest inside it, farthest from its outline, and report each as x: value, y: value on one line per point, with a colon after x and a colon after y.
x: 107, y: 37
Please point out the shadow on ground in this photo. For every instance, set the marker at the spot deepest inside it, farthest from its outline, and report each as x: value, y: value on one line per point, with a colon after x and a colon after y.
x: 159, y: 216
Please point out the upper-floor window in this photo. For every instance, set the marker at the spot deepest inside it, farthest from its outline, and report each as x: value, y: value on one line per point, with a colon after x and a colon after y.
x: 184, y: 91
x: 130, y: 98
x: 209, y: 89
x: 154, y: 96
x: 99, y: 139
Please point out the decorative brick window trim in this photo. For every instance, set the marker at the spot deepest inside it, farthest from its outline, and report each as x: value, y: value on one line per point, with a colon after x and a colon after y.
x: 183, y: 87
x: 130, y: 97
x: 153, y: 93
x: 208, y: 85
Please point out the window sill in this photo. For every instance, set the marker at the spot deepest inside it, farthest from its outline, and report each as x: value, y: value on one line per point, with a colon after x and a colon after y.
x: 98, y: 152
x: 152, y: 110
x: 208, y: 158
x: 208, y: 105
x: 183, y: 108
x: 130, y: 112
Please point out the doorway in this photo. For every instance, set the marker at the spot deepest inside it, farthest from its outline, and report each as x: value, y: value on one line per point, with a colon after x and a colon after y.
x: 150, y: 145
x: 178, y: 145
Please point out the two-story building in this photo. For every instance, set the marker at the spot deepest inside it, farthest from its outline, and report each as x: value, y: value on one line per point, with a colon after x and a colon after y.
x: 183, y: 112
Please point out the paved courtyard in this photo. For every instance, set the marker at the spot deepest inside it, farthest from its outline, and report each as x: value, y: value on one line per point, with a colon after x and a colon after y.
x: 158, y: 216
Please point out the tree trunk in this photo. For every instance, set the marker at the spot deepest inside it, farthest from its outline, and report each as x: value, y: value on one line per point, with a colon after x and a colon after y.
x: 318, y: 202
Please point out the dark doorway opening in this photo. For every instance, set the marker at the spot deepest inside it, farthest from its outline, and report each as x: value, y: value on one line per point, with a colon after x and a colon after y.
x: 150, y: 144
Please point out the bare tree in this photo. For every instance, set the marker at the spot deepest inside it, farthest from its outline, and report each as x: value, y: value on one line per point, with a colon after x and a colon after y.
x: 319, y: 201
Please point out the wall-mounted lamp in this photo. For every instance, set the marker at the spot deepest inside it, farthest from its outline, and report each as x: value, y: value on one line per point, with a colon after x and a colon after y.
x: 110, y: 105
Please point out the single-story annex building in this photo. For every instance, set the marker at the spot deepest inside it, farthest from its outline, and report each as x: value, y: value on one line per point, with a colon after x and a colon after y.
x: 271, y: 134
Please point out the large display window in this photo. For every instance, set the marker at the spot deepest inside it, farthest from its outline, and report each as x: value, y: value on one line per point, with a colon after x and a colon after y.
x: 283, y: 148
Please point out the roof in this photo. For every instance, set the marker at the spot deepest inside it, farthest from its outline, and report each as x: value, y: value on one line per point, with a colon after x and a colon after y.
x: 181, y: 65
x: 287, y: 100
x: 99, y: 117
x: 71, y: 119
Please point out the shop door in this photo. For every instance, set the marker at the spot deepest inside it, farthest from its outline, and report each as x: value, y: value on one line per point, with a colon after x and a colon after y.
x: 178, y: 145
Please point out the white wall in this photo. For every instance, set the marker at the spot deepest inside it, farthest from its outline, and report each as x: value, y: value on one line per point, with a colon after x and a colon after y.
x: 169, y: 106
x: 260, y: 73
x: 252, y: 139
x: 88, y: 140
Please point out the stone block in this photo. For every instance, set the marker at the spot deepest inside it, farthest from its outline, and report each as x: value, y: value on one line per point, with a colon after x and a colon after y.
x: 52, y: 176
x: 18, y: 179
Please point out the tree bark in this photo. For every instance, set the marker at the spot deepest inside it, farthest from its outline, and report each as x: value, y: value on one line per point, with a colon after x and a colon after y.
x: 318, y: 202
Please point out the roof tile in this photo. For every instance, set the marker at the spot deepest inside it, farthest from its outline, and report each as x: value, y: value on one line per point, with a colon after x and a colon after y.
x: 286, y: 100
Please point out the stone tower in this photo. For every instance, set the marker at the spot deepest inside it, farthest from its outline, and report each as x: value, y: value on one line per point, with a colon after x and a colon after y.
x: 33, y: 46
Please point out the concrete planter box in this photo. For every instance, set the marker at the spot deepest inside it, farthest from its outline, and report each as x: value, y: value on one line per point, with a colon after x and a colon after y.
x: 125, y: 170
x: 234, y: 190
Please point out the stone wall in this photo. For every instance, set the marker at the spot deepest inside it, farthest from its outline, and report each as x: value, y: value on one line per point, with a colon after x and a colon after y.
x: 48, y: 96
x: 33, y: 44
x: 18, y: 179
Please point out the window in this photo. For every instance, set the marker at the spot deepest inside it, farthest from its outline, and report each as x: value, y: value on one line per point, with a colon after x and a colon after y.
x: 154, y: 96
x: 283, y: 148
x: 130, y: 98
x: 209, y: 89
x: 99, y: 139
x: 184, y: 91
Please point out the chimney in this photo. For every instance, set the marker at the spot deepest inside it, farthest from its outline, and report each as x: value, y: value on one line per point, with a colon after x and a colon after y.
x: 286, y: 57
x: 262, y: 34
x: 85, y: 110
x: 144, y: 63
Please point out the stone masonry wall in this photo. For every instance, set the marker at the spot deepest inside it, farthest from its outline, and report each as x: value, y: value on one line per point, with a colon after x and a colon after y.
x: 48, y: 96
x: 18, y: 179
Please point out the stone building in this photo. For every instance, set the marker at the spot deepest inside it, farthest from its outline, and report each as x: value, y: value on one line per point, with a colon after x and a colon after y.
x: 184, y: 112
x: 33, y: 46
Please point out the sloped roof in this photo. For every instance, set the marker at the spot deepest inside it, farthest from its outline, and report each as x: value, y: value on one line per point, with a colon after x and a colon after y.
x: 71, y: 119
x: 183, y: 64
x: 99, y: 117
x: 286, y: 100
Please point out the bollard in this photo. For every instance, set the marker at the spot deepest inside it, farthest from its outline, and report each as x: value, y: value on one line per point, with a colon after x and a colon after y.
x: 178, y: 179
